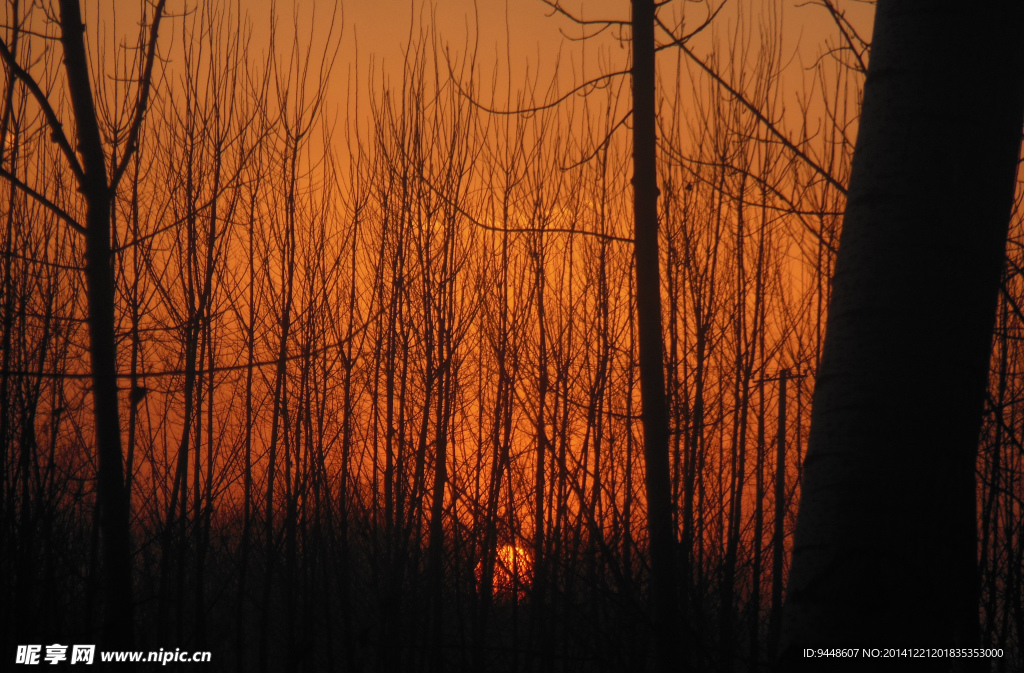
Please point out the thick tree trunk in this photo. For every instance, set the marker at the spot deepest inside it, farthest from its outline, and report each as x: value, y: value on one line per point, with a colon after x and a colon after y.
x: 886, y: 539
x: 112, y: 498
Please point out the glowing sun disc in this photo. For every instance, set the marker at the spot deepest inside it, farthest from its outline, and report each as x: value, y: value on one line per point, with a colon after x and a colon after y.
x: 513, y: 572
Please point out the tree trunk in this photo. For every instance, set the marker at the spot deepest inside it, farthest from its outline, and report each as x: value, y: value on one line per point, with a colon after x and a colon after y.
x: 112, y: 499
x: 654, y: 413
x: 886, y: 539
x: 779, y: 525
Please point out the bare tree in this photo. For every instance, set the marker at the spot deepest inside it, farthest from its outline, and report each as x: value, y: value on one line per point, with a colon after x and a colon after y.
x: 89, y: 166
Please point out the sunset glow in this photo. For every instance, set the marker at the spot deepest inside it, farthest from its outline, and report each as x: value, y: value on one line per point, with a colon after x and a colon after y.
x: 513, y: 572
x: 432, y: 336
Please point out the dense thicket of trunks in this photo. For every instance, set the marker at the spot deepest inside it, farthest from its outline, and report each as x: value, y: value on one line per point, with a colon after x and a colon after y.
x: 359, y: 363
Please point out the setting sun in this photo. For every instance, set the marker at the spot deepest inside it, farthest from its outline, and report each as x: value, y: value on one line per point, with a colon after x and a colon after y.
x: 445, y: 335
x: 513, y: 572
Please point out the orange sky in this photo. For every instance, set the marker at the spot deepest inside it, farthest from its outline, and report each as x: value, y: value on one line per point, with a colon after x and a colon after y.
x: 515, y: 35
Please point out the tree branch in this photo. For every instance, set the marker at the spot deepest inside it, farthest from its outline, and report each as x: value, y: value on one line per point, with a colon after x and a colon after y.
x: 592, y: 83
x: 741, y: 99
x: 42, y: 200
x: 145, y: 80
x: 56, y: 128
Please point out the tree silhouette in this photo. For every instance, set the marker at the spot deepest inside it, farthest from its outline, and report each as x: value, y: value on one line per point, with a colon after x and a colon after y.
x: 388, y: 375
x: 97, y: 187
x: 886, y: 540
x: 650, y: 340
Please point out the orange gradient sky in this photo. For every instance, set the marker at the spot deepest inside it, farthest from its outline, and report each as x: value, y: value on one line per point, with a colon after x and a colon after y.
x: 511, y: 38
